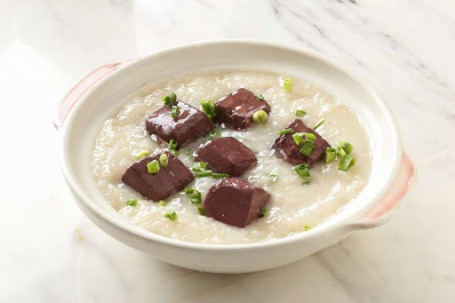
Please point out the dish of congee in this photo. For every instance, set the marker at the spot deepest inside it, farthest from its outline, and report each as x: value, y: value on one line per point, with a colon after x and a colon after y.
x: 231, y: 157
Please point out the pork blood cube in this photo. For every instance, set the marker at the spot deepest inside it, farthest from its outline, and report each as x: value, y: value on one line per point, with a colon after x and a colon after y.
x: 227, y: 155
x: 287, y: 149
x: 235, y: 201
x: 187, y: 127
x: 160, y: 185
x: 236, y: 110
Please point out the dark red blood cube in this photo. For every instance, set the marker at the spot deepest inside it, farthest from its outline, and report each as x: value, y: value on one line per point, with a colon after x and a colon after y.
x: 286, y: 148
x: 227, y: 155
x: 168, y: 180
x: 236, y: 110
x: 186, y: 128
x: 235, y: 201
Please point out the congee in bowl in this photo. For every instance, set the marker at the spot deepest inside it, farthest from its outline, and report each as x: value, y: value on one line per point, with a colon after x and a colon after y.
x: 231, y: 157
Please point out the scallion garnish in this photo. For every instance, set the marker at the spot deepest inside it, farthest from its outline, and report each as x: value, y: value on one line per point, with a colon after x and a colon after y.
x: 171, y: 215
x: 189, y: 153
x: 200, y: 170
x: 306, y: 140
x: 346, y: 146
x: 175, y: 111
x: 287, y: 84
x: 303, y: 172
x: 286, y: 131
x: 169, y: 99
x: 319, y: 124
x: 199, y: 166
x: 142, y: 154
x: 300, y: 113
x: 162, y: 203
x: 262, y: 212
x: 202, y: 174
x: 212, y: 134
x: 298, y: 138
x: 220, y: 175
x: 307, y: 148
x: 260, y: 117
x: 131, y: 202
x: 153, y: 167
x: 330, y: 154
x: 306, y: 227
x: 340, y: 152
x: 194, y: 194
x: 273, y: 177
x: 310, y: 137
x: 208, y: 107
x: 346, y: 162
x: 164, y: 160
x: 201, y: 210
x: 261, y: 97
x: 172, y: 147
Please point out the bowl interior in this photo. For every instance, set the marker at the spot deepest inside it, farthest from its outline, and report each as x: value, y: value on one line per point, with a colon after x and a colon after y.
x: 104, y: 99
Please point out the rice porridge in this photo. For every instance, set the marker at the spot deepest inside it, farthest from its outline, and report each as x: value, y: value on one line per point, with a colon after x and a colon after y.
x: 293, y: 207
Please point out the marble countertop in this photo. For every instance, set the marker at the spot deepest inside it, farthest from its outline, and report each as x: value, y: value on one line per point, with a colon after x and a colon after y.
x: 50, y: 252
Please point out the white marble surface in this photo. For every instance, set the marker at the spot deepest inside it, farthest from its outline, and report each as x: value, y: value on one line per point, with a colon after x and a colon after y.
x: 50, y: 252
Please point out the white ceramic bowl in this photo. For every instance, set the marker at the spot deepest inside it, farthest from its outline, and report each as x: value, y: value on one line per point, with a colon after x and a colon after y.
x: 100, y: 94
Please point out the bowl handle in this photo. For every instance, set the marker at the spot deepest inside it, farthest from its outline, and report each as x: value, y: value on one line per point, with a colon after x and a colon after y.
x: 75, y: 94
x: 382, y: 211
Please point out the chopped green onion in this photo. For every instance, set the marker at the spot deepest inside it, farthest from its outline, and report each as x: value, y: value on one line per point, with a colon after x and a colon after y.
x: 194, y: 194
x: 307, y: 227
x: 298, y: 138
x: 171, y: 215
x: 346, y: 146
x: 303, y: 172
x: 202, y: 174
x: 201, y: 210
x: 307, y: 148
x: 153, y: 167
x: 208, y: 107
x: 300, y: 113
x: 287, y: 84
x: 286, y: 131
x: 164, y: 160
x: 307, y: 142
x: 220, y: 175
x: 172, y: 147
x: 189, y: 153
x: 330, y: 154
x: 175, y: 112
x: 310, y: 137
x: 142, y: 154
x: 131, y: 202
x: 319, y: 124
x: 260, y: 117
x: 162, y: 203
x: 261, y: 97
x: 211, y: 134
x: 189, y: 190
x: 169, y: 99
x: 199, y: 166
x: 346, y: 162
x: 274, y: 177
x: 341, y: 152
x: 262, y: 212
x: 200, y: 170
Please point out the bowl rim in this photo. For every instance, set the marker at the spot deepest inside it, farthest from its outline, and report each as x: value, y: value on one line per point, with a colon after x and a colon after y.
x: 323, y: 228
